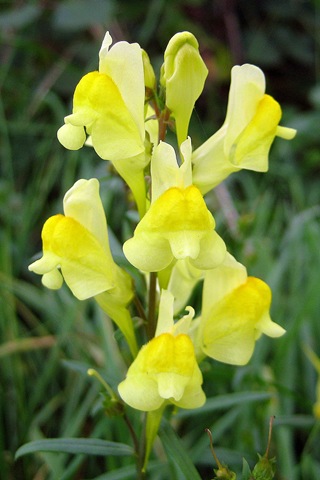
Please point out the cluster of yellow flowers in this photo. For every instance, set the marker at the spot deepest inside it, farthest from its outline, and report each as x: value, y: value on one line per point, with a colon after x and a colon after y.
x: 123, y: 114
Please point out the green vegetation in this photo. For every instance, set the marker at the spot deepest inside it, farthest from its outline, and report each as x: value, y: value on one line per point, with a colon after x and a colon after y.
x: 269, y: 221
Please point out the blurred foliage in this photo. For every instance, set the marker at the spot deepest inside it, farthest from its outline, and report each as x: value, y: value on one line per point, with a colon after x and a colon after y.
x: 270, y: 222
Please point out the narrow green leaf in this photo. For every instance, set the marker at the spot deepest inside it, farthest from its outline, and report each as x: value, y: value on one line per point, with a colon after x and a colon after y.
x: 87, y: 446
x: 176, y: 452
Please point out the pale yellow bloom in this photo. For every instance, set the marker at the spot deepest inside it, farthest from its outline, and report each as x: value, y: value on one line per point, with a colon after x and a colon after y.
x: 165, y: 370
x: 235, y: 313
x: 77, y: 244
x: 244, y: 140
x: 183, y: 76
x: 76, y: 250
x: 109, y: 104
x: 178, y: 224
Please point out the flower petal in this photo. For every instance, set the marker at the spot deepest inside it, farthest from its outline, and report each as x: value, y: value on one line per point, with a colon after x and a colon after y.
x: 246, y: 90
x: 178, y: 216
x: 52, y: 279
x: 183, y: 279
x: 71, y: 137
x: 123, y: 63
x: 165, y: 171
x: 193, y: 396
x: 221, y: 281
x: 148, y: 252
x: 162, y: 371
x: 99, y: 106
x: 251, y: 148
x: 212, y: 252
x: 210, y: 165
x: 226, y: 342
x: 229, y: 330
x: 85, y: 193
x: 140, y: 392
x: 83, y: 262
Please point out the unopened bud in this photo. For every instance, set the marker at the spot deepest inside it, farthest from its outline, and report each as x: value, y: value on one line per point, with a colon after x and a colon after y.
x: 183, y: 75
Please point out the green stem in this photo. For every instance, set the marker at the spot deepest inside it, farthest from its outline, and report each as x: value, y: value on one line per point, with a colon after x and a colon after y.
x: 93, y: 373
x: 139, y: 449
x: 132, y: 433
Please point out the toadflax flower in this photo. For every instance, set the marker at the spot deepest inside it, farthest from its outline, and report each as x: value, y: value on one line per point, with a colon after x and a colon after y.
x: 235, y: 313
x: 245, y: 138
x: 76, y: 249
x: 178, y: 224
x: 165, y: 369
x: 108, y: 105
x: 182, y: 75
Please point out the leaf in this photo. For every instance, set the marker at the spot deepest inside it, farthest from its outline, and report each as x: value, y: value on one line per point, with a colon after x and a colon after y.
x: 176, y: 452
x: 246, y: 472
x: 87, y: 446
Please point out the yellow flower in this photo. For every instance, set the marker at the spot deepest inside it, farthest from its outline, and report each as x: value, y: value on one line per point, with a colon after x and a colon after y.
x: 165, y: 370
x: 244, y: 140
x: 77, y: 244
x: 183, y: 76
x: 76, y: 249
x: 108, y: 105
x: 178, y: 224
x: 235, y: 313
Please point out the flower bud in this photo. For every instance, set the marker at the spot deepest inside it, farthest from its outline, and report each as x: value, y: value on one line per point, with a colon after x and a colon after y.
x: 183, y: 75
x: 264, y: 468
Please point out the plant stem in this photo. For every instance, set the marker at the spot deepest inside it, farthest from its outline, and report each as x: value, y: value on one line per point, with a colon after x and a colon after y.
x: 139, y: 454
x: 163, y: 124
x: 136, y: 447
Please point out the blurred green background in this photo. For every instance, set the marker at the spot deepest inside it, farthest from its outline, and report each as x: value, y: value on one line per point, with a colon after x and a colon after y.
x: 270, y: 222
